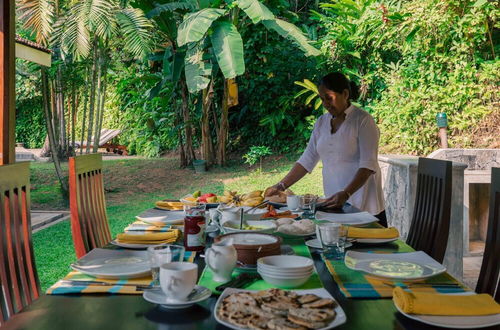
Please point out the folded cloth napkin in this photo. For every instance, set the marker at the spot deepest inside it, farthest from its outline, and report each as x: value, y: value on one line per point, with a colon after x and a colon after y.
x: 143, y: 226
x: 442, y: 304
x: 355, y: 232
x: 149, y: 238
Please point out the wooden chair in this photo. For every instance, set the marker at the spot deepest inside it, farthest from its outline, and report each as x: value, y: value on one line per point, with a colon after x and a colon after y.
x: 489, y: 276
x: 89, y: 222
x: 431, y: 215
x: 18, y: 275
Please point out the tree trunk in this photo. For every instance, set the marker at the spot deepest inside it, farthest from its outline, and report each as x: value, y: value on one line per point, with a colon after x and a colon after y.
x: 97, y: 130
x: 84, y: 115
x: 188, y: 130
x: 74, y: 106
x: 92, y: 99
x: 223, y: 128
x: 206, y: 136
x: 50, y: 133
x: 103, y: 95
x: 182, y: 154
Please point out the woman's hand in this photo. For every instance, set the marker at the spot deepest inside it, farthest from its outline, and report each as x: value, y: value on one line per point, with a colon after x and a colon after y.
x: 337, y: 200
x: 273, y: 190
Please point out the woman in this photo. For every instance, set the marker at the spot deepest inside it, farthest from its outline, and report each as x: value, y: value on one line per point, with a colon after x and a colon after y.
x: 346, y: 140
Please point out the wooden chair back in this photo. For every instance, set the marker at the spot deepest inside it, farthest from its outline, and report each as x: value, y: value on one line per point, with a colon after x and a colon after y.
x: 489, y: 276
x: 89, y: 222
x: 18, y: 275
x: 431, y: 215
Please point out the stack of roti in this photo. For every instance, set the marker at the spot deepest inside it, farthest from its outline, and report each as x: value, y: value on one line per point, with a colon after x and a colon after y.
x: 276, y: 309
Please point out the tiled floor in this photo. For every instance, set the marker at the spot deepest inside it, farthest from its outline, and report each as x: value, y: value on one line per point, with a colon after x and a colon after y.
x: 472, y: 263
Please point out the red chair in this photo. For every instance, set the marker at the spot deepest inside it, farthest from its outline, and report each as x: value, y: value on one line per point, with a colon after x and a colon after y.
x: 18, y: 276
x: 489, y: 277
x: 89, y: 222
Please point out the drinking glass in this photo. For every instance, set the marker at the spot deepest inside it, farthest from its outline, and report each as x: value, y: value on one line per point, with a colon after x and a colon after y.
x: 308, y: 205
x: 333, y: 237
x: 162, y: 254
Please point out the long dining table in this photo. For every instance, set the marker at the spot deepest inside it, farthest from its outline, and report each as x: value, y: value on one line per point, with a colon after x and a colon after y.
x: 115, y: 311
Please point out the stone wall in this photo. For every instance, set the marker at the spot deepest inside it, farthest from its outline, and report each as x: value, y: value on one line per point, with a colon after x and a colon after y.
x: 399, y: 180
x: 475, y: 159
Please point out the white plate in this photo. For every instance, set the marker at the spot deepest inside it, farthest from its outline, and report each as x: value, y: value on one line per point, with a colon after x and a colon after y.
x: 316, y: 244
x: 340, y: 317
x: 456, y: 322
x: 114, y: 264
x: 400, y: 266
x: 158, y: 297
x: 284, y: 209
x: 268, y: 226
x: 375, y: 240
x: 352, y: 219
x: 168, y: 218
x: 133, y: 246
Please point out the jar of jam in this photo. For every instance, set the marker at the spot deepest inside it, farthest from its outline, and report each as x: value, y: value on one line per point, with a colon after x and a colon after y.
x: 194, y: 227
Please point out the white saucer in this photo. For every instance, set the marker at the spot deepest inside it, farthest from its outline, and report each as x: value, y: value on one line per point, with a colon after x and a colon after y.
x: 157, y: 296
x: 316, y: 244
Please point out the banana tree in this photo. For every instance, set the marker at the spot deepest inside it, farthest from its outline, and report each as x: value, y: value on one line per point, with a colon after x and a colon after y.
x: 216, y: 29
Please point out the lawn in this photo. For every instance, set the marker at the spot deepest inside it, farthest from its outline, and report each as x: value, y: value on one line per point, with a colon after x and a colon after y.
x: 133, y: 185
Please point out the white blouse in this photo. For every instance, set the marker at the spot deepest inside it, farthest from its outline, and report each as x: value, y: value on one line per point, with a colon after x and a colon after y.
x: 353, y: 146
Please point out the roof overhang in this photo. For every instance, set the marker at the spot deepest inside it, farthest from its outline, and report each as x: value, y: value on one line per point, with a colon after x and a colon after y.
x: 33, y: 52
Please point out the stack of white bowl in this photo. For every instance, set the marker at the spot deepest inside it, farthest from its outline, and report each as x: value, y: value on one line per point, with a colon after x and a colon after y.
x: 285, y: 271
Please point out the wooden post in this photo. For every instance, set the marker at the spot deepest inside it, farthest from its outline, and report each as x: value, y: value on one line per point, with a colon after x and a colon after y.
x: 443, y: 137
x: 7, y: 82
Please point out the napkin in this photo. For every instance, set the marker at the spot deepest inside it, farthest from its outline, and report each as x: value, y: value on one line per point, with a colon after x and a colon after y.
x: 149, y: 238
x: 440, y: 304
x: 355, y: 232
x: 143, y: 226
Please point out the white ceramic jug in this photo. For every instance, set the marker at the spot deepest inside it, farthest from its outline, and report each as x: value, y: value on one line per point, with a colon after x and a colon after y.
x: 221, y: 259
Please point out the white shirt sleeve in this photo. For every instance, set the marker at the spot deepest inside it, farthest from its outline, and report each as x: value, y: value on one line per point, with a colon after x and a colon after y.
x: 310, y: 157
x: 368, y: 137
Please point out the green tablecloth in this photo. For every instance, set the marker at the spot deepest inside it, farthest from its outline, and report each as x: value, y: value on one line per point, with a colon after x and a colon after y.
x: 298, y: 247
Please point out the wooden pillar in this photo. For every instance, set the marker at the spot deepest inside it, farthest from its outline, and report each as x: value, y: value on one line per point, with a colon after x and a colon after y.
x: 7, y: 82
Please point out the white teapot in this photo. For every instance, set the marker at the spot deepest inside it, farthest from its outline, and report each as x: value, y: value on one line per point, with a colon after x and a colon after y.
x: 221, y: 259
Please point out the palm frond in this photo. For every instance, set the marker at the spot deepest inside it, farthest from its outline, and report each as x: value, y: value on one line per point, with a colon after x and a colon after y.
x: 72, y: 33
x: 135, y: 28
x: 171, y: 6
x: 39, y: 16
x: 100, y: 16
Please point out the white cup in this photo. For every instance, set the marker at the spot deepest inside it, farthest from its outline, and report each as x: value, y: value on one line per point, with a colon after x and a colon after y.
x: 178, y: 279
x: 293, y: 202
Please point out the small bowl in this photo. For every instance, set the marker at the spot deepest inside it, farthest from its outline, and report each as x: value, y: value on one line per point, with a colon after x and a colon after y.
x: 285, y: 275
x: 284, y: 262
x: 286, y: 283
x: 232, y: 213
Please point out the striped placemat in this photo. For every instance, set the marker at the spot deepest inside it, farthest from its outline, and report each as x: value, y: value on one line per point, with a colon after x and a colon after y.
x: 126, y: 286
x: 356, y: 284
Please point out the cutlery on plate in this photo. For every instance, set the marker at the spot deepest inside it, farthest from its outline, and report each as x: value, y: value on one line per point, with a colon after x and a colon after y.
x: 197, y: 293
x: 256, y: 206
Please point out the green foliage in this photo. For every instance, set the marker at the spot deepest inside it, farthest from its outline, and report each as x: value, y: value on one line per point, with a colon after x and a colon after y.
x: 30, y: 119
x: 414, y: 59
x: 255, y: 154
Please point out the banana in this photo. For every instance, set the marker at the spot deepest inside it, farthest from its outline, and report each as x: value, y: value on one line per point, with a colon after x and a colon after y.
x: 252, y: 201
x: 227, y: 194
x: 255, y: 193
x: 224, y: 199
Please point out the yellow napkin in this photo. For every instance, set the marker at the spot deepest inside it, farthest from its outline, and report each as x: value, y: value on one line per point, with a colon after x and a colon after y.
x: 440, y: 304
x: 149, y: 238
x: 168, y: 205
x: 355, y: 232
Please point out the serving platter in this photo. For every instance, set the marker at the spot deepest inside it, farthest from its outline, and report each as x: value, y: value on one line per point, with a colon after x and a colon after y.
x: 339, y: 319
x: 351, y: 219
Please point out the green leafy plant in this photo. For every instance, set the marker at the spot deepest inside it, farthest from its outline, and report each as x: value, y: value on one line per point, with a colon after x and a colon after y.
x: 255, y: 154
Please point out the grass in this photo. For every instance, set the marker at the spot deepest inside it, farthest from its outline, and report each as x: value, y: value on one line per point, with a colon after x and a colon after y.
x: 133, y: 185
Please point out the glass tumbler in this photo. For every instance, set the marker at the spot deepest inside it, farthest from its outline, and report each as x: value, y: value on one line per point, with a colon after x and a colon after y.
x: 333, y: 237
x: 162, y: 254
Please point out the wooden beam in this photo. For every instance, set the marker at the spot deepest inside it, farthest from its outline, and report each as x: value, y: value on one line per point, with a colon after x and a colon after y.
x: 7, y: 82
x: 33, y: 55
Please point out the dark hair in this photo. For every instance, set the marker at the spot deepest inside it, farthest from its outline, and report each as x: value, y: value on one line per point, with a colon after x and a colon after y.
x: 337, y: 82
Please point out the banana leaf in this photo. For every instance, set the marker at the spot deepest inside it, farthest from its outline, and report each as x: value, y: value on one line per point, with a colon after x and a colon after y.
x: 293, y: 33
x: 196, y: 69
x: 228, y: 49
x: 256, y: 10
x: 195, y: 25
